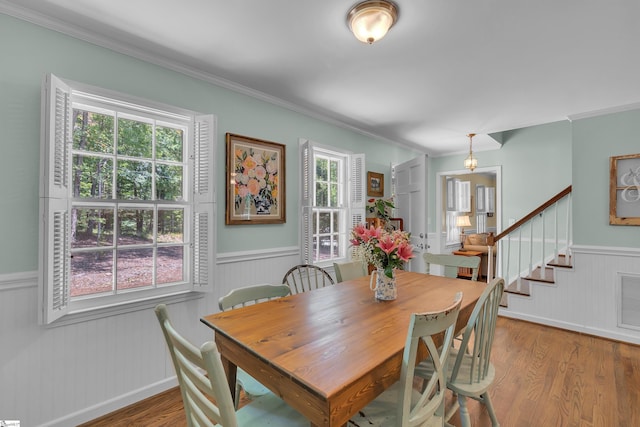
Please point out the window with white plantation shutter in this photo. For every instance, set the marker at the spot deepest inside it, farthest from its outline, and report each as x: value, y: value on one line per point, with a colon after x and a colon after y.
x: 357, y: 190
x: 332, y: 200
x: 126, y: 198
x: 204, y: 208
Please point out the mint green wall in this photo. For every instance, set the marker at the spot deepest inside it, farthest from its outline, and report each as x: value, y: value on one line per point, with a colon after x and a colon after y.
x: 535, y: 163
x: 594, y: 141
x: 29, y: 52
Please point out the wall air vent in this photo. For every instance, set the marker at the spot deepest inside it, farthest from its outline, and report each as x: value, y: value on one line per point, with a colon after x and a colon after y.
x: 629, y: 300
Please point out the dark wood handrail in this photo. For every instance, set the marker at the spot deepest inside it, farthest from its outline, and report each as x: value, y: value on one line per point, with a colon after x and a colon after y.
x: 533, y: 213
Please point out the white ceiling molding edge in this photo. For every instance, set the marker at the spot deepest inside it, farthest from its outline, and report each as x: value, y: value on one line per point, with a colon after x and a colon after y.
x: 81, y: 34
x: 605, y: 111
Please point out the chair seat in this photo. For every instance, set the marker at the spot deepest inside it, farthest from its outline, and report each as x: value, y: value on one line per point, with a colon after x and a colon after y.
x: 461, y: 385
x: 269, y: 410
x: 383, y: 411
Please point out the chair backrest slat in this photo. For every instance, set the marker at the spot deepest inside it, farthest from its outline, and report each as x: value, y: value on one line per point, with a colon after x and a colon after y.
x: 349, y: 270
x: 451, y: 263
x: 254, y: 294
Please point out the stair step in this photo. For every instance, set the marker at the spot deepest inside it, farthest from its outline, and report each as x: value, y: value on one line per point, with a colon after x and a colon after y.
x: 536, y: 275
x: 525, y: 288
x: 563, y: 261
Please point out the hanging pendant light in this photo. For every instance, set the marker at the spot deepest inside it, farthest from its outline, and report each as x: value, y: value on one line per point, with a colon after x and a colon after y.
x: 471, y: 162
x: 370, y: 20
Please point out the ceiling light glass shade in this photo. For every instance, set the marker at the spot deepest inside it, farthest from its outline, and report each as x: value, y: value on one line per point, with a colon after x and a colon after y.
x: 471, y: 162
x: 370, y: 20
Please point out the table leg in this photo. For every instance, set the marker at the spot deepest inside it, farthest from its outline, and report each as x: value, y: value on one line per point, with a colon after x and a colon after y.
x: 230, y: 369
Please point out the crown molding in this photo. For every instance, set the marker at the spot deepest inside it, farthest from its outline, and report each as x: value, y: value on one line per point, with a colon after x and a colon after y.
x: 605, y: 111
x: 54, y: 24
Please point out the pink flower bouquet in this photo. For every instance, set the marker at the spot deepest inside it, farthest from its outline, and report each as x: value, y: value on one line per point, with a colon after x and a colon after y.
x: 382, y: 249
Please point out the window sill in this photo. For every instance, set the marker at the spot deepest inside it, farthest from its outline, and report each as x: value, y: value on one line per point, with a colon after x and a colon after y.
x: 122, y: 308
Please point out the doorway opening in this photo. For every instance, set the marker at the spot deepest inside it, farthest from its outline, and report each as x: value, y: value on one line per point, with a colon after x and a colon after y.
x: 477, y: 195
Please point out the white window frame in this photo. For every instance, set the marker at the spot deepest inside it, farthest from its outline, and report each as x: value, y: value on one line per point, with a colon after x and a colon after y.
x: 352, y: 198
x: 55, y: 303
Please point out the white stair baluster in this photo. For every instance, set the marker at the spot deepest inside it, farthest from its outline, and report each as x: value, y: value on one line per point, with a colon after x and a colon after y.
x: 530, y: 247
x: 555, y: 223
x: 542, y: 259
x: 519, y: 258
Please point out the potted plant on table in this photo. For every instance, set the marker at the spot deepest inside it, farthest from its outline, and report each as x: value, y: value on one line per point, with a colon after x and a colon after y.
x: 381, y: 209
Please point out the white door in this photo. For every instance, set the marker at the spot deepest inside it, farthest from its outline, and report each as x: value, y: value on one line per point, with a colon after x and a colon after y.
x: 411, y: 205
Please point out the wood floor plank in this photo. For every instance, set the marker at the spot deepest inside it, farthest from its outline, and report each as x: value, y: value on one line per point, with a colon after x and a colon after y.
x: 544, y: 377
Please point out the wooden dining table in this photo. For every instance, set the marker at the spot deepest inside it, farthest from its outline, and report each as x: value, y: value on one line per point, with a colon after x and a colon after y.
x: 331, y: 351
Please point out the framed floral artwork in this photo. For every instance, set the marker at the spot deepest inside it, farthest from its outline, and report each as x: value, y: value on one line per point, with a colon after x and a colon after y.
x: 255, y: 175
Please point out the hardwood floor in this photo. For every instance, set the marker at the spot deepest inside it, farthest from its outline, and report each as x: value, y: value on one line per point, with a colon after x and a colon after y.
x: 545, y: 377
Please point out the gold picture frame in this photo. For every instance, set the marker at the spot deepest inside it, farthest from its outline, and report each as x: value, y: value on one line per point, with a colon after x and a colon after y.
x: 255, y: 181
x: 624, y: 190
x: 375, y: 184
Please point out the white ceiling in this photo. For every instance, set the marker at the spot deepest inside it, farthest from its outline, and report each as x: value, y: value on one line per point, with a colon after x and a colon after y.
x: 445, y: 69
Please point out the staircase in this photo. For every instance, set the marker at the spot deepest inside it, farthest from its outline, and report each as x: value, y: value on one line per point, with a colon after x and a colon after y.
x: 523, y: 288
x: 530, y: 250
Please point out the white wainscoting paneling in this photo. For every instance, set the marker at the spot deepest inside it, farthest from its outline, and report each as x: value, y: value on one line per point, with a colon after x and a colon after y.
x: 74, y: 373
x: 583, y: 299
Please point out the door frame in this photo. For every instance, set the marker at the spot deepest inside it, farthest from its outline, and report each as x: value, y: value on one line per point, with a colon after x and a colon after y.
x: 416, y: 264
x: 438, y: 244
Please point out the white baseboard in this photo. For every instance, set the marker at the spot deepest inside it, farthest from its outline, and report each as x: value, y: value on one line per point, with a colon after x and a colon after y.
x: 104, y: 408
x: 571, y: 327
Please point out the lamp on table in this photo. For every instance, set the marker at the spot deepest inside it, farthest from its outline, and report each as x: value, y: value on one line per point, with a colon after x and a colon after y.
x: 462, y: 221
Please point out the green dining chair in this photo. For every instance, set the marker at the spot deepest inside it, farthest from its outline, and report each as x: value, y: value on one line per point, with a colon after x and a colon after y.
x: 349, y: 270
x: 452, y: 263
x: 470, y: 372
x: 403, y: 405
x: 242, y: 297
x: 306, y: 277
x: 205, y: 391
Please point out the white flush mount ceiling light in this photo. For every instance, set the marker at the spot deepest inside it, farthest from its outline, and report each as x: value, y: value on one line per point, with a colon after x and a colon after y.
x: 370, y: 20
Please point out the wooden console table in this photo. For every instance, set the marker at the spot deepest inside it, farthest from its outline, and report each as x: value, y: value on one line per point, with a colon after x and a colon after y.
x: 466, y: 272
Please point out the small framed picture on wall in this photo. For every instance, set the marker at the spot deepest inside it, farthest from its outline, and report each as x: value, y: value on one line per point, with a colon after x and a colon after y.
x: 375, y: 184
